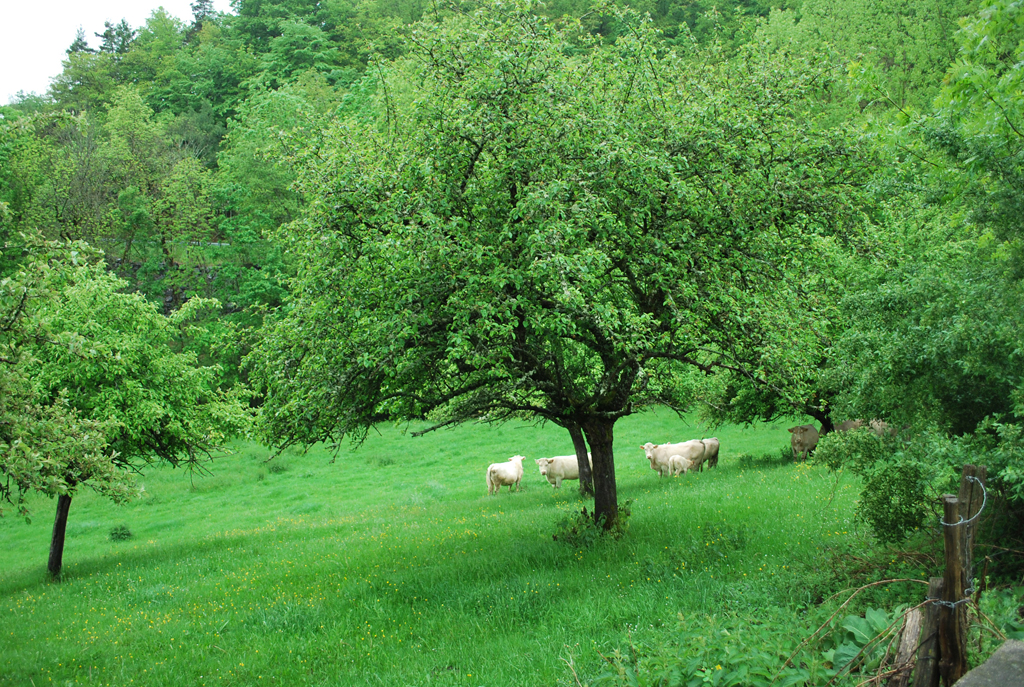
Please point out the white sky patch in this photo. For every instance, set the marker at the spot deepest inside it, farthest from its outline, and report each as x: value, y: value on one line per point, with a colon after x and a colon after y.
x: 34, y: 34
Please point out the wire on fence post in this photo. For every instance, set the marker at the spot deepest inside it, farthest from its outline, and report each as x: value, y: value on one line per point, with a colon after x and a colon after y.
x: 984, y: 500
x: 970, y: 590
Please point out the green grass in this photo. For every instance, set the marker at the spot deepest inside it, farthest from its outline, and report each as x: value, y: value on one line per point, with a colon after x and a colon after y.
x: 392, y: 566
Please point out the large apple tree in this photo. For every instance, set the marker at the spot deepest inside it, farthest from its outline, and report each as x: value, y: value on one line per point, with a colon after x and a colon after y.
x: 535, y: 223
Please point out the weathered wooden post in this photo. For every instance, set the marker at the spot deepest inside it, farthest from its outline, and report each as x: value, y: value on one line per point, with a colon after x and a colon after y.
x: 904, y: 664
x: 972, y: 498
x: 952, y: 610
x: 943, y: 649
x: 926, y: 674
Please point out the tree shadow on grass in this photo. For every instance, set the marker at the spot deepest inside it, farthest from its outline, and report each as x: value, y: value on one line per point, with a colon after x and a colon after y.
x: 142, y: 557
x: 767, y: 460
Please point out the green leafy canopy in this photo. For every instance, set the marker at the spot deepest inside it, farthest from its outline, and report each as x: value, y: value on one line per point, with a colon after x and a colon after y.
x: 95, y: 388
x: 538, y: 225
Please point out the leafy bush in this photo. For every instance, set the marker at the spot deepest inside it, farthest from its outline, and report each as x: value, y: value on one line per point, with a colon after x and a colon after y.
x: 905, y: 476
x: 902, y: 478
x: 579, y: 530
x: 1005, y: 607
x: 120, y: 533
x: 1000, y: 446
x: 277, y: 468
x: 720, y: 651
x: 862, y: 641
x: 747, y: 650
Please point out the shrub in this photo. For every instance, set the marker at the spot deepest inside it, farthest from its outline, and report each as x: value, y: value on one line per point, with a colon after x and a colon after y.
x: 747, y: 650
x: 1005, y: 608
x: 895, y: 499
x: 277, y: 468
x: 1000, y: 446
x: 120, y: 533
x: 718, y: 651
x: 579, y: 530
x: 903, y: 478
x: 861, y: 643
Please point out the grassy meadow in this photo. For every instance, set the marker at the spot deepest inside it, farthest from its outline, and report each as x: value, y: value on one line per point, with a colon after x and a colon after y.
x: 392, y: 566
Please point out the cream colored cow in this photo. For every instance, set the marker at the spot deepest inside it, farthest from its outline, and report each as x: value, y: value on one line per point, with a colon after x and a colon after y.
x: 504, y: 474
x: 659, y: 455
x: 561, y: 468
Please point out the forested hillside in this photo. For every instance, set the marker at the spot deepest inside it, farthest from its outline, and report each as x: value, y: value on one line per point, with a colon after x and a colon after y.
x: 171, y: 146
x: 855, y: 246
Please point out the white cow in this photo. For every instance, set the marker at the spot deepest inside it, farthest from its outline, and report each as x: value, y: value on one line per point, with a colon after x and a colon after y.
x: 561, y: 467
x: 695, y: 451
x: 502, y: 474
x: 678, y: 465
x: 711, y: 453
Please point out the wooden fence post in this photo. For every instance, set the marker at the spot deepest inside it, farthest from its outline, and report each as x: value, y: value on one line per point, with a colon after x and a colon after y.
x: 972, y: 497
x: 952, y: 612
x: 904, y: 664
x: 943, y: 649
x: 926, y: 674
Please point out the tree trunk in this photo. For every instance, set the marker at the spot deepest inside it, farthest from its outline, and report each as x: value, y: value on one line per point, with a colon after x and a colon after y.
x: 60, y: 524
x: 580, y: 445
x: 824, y: 418
x: 599, y: 436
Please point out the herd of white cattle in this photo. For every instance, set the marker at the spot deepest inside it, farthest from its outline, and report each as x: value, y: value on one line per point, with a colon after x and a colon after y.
x: 665, y: 459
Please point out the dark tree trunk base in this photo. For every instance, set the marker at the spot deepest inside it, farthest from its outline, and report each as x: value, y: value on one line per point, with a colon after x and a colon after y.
x: 606, y: 506
x: 60, y: 525
x: 580, y: 446
x: 825, y: 419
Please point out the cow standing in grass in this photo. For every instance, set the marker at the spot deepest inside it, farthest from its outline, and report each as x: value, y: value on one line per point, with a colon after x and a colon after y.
x: 659, y: 455
x: 694, y: 453
x: 711, y: 447
x: 504, y: 474
x: 803, y: 441
x: 560, y: 468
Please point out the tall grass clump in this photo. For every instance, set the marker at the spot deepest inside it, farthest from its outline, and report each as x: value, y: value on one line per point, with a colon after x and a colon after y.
x: 579, y: 529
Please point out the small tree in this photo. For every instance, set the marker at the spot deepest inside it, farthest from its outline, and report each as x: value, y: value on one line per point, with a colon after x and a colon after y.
x: 80, y: 44
x: 43, y: 446
x: 538, y: 225
x: 97, y: 389
x: 116, y: 39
